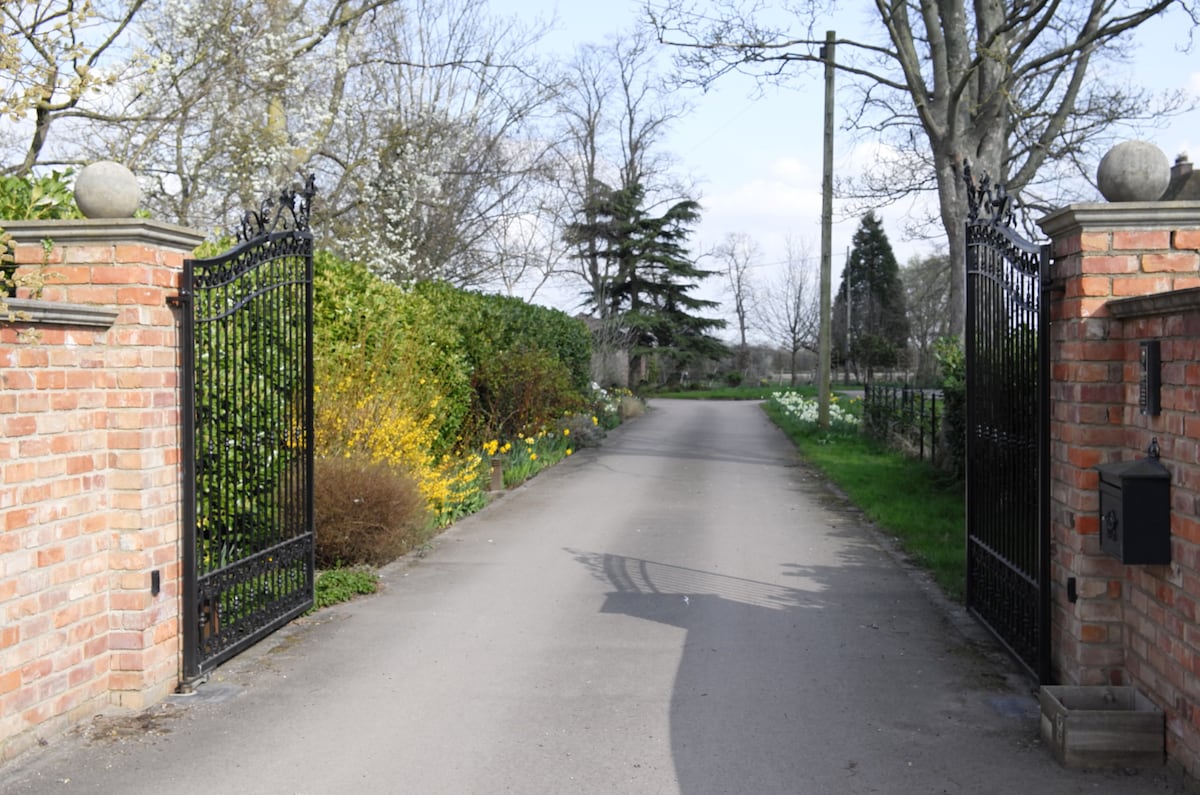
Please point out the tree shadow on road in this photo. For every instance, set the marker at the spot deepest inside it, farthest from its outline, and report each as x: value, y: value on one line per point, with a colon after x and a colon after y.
x: 846, y: 682
x: 760, y: 664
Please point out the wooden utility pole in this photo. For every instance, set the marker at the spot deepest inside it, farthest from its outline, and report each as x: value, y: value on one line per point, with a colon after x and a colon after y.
x: 824, y: 341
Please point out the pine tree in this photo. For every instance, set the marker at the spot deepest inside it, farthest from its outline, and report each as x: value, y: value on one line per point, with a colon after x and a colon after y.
x: 604, y: 237
x: 870, y: 321
x: 648, y: 278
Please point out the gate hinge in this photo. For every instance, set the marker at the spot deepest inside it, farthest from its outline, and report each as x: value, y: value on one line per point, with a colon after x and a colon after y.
x: 179, y: 300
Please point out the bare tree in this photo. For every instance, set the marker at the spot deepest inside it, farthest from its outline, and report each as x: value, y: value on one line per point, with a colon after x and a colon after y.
x: 582, y: 164
x: 789, y: 311
x: 1008, y: 87
x: 737, y: 254
x: 926, y: 283
x: 614, y: 114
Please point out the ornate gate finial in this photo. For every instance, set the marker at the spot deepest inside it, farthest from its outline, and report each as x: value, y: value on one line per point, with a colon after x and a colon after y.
x: 270, y: 215
x: 985, y: 202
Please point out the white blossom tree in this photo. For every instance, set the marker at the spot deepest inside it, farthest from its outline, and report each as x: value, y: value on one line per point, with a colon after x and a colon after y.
x: 234, y: 99
x: 420, y: 119
x: 55, y: 55
x: 453, y: 162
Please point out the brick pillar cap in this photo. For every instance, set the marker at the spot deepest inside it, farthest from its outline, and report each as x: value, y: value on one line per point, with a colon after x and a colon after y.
x: 1125, y: 215
x: 106, y: 231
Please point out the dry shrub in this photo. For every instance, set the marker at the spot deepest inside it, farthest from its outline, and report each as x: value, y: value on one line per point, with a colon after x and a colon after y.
x: 583, y: 432
x: 365, y: 513
x: 631, y: 407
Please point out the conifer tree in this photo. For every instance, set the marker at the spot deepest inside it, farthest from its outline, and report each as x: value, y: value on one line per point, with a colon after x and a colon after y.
x: 870, y: 321
x: 648, y: 279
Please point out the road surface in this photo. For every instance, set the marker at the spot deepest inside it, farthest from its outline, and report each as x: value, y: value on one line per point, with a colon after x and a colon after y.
x: 687, y: 609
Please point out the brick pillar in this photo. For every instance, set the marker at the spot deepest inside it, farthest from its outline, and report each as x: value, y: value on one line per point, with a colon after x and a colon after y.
x: 90, y: 487
x: 1103, y: 252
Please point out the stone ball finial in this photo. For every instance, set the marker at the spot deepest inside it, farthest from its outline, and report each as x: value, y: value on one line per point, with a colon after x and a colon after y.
x: 106, y: 189
x: 1133, y: 171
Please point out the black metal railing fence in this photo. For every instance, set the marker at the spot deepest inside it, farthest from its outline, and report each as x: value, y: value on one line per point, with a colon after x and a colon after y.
x: 905, y: 417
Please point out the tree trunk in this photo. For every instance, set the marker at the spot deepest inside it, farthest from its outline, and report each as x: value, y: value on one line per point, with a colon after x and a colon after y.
x: 953, y: 197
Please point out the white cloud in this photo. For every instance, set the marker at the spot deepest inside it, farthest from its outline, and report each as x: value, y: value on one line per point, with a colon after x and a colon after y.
x: 786, y: 191
x: 764, y: 198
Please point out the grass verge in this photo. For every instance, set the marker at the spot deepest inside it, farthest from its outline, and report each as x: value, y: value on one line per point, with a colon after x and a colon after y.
x: 918, y: 504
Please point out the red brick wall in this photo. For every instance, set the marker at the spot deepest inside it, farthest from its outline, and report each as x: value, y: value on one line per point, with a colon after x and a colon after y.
x: 1132, y: 625
x: 89, y: 481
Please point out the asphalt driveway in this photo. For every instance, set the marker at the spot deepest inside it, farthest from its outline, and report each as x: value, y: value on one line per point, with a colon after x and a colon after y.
x: 687, y: 609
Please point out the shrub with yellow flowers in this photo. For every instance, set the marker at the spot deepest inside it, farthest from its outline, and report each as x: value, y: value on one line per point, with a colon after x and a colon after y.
x: 380, y: 420
x: 391, y: 388
x: 420, y: 380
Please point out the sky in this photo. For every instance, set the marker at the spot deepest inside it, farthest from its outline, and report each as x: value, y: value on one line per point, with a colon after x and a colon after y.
x: 757, y: 158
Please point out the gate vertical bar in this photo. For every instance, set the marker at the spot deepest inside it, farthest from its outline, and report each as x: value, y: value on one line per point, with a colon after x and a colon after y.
x: 971, y: 398
x: 310, y: 430
x: 187, y: 432
x: 1044, y: 673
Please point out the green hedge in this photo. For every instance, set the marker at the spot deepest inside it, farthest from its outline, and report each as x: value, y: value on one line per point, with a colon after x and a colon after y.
x: 360, y: 320
x: 497, y: 364
x: 493, y: 324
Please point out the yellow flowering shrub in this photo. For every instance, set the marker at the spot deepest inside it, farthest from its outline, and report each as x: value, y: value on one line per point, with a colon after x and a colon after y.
x: 390, y: 388
x: 418, y: 379
x: 383, y: 421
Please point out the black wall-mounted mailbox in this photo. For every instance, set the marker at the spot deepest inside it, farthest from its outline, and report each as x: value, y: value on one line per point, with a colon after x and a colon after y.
x: 1135, y: 511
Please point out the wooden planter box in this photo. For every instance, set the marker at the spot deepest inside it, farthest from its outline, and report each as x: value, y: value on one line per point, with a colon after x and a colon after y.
x: 1102, y: 726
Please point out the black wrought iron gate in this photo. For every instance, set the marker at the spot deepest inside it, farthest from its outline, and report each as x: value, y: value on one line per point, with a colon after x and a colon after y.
x: 247, y: 389
x: 1007, y: 446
